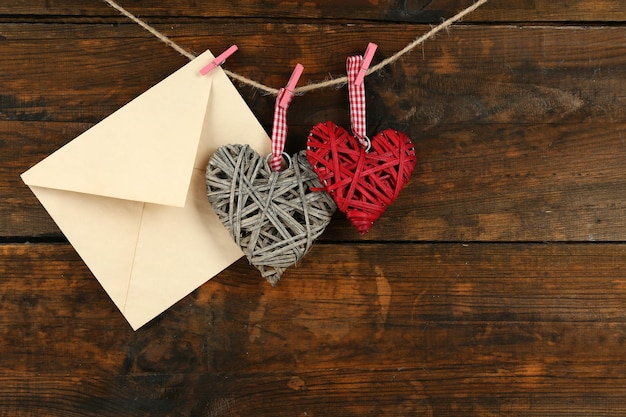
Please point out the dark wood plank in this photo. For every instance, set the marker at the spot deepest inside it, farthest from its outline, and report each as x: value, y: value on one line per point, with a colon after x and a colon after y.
x: 488, y: 183
x: 286, y: 394
x: 382, y: 10
x: 367, y: 329
x: 476, y: 74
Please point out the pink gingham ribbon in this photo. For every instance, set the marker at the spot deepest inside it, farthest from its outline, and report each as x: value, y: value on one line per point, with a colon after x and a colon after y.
x: 356, y: 93
x: 279, y: 129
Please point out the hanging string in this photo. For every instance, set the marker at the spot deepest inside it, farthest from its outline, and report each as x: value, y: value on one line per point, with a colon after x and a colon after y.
x: 335, y: 82
x: 356, y: 95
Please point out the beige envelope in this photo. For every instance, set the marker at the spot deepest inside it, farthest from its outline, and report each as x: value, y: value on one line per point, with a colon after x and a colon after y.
x: 129, y: 193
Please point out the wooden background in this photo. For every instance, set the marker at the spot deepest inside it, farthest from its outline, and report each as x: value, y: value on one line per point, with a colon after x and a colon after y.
x: 494, y: 285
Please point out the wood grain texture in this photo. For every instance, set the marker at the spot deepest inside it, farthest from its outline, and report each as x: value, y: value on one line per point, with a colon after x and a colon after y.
x: 507, y: 75
x: 491, y: 183
x: 380, y: 10
x: 454, y: 304
x: 347, y: 333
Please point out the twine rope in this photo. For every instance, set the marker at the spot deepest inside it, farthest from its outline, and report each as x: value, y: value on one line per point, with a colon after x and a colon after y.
x: 335, y: 82
x: 279, y: 129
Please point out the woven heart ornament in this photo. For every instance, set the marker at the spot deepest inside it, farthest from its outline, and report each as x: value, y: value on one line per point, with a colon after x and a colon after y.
x: 362, y: 183
x: 274, y: 216
x: 363, y: 176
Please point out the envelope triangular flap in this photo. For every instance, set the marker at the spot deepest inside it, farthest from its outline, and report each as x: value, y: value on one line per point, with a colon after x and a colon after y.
x: 144, y: 151
x: 227, y: 121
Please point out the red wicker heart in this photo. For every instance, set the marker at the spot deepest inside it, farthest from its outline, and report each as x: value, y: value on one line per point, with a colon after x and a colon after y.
x: 362, y: 183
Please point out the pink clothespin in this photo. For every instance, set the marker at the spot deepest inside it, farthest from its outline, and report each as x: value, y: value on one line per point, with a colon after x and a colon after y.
x: 367, y: 60
x: 279, y: 127
x: 291, y: 85
x: 219, y: 60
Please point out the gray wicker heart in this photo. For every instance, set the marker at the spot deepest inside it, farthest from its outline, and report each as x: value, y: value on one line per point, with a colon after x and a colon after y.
x: 273, y: 216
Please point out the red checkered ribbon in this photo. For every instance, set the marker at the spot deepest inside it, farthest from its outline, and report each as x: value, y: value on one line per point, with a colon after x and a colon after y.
x: 279, y: 129
x: 356, y: 94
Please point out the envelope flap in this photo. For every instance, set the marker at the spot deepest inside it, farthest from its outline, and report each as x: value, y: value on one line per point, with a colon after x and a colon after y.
x: 228, y: 120
x: 145, y: 151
